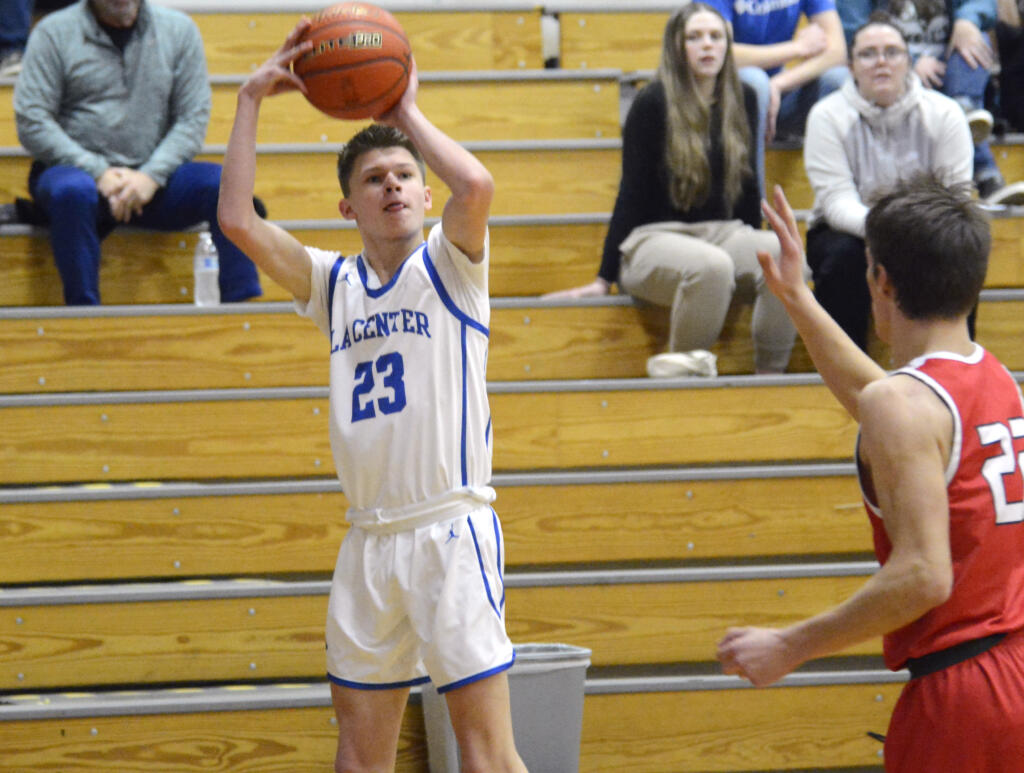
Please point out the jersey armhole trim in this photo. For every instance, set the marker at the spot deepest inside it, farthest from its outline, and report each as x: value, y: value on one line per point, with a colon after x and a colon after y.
x: 331, y: 284
x: 958, y: 430
x: 446, y: 299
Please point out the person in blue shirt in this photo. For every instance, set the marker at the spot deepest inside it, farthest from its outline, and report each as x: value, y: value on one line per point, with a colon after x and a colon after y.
x: 768, y: 36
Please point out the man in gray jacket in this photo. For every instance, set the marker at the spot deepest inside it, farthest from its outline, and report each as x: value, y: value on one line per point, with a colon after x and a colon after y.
x: 112, y: 103
x: 880, y: 128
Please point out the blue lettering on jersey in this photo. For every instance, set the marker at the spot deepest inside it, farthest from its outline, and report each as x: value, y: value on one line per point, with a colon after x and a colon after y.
x: 421, y: 324
x: 381, y: 325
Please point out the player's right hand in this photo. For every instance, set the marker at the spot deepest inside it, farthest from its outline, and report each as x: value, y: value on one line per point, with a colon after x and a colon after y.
x: 275, y: 75
x: 406, y: 102
x: 759, y: 655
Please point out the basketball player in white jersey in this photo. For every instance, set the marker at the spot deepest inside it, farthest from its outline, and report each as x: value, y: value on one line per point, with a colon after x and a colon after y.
x: 417, y: 593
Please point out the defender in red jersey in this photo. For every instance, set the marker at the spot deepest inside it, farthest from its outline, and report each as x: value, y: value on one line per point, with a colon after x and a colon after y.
x: 939, y: 457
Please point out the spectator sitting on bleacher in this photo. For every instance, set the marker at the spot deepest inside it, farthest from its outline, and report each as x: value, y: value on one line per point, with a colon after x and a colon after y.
x: 789, y: 66
x: 112, y: 103
x: 881, y: 127
x: 686, y: 222
x: 950, y: 51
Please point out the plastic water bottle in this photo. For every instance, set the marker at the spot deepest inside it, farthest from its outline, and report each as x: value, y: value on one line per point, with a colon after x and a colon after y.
x: 206, y: 267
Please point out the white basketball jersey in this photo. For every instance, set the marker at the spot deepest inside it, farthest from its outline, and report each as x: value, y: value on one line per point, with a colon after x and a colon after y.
x: 410, y: 423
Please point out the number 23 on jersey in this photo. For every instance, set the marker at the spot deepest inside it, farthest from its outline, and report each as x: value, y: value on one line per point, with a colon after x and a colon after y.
x: 388, y: 370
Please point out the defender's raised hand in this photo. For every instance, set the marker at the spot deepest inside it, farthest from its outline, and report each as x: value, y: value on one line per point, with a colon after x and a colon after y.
x: 785, y: 278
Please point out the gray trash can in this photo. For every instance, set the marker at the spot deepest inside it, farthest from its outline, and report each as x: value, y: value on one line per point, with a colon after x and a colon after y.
x: 546, y: 690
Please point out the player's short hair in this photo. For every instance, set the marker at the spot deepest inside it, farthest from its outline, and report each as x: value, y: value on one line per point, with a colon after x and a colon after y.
x: 933, y: 241
x: 373, y: 137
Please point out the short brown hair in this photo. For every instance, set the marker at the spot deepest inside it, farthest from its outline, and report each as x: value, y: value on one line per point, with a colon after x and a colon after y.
x: 933, y: 241
x: 373, y: 137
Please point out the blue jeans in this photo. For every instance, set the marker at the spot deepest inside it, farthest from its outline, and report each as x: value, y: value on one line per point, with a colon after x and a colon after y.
x: 15, y: 20
x: 793, y: 107
x: 79, y: 219
x: 967, y: 86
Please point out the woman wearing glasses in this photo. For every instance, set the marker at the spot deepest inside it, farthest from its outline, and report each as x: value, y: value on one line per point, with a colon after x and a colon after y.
x: 881, y: 127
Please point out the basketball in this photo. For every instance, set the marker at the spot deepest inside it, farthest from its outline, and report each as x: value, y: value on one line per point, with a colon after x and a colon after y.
x: 360, y: 62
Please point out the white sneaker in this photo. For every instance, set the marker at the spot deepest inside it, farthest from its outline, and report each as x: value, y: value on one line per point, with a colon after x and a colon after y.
x: 10, y: 64
x: 1011, y: 195
x: 674, y: 364
x: 980, y: 122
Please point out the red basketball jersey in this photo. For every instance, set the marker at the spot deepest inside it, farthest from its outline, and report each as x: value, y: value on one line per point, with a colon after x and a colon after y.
x: 986, y: 506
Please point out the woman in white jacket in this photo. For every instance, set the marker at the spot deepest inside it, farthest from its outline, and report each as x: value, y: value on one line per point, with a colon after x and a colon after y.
x: 880, y: 127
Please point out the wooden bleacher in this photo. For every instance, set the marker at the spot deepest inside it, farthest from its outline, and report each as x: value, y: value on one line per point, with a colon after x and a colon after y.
x: 165, y: 633
x: 470, y: 106
x: 509, y: 38
x: 611, y: 37
x: 168, y: 506
x: 705, y: 514
x: 525, y: 258
x: 290, y: 727
x: 610, y: 338
x: 194, y: 435
x: 802, y: 725
x: 533, y: 178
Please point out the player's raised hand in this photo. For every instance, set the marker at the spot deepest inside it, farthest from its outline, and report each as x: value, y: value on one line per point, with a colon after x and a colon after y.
x: 275, y: 75
x: 406, y: 102
x: 784, y: 278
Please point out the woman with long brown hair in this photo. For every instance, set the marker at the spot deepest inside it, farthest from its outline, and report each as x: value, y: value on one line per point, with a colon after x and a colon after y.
x: 685, y: 230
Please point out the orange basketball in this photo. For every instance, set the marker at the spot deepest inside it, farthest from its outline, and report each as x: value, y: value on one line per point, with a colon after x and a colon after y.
x: 360, y: 62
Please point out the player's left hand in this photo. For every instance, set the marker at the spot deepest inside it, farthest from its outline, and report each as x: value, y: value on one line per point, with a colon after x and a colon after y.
x: 759, y: 655
x: 275, y: 76
x: 393, y: 117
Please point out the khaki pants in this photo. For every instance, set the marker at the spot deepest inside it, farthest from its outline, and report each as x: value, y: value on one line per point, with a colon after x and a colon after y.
x: 694, y: 269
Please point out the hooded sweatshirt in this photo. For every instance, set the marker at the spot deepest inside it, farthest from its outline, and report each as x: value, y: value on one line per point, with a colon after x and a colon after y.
x: 854, y: 150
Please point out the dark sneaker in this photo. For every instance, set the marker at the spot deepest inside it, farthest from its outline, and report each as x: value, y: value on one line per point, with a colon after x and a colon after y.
x: 987, y: 186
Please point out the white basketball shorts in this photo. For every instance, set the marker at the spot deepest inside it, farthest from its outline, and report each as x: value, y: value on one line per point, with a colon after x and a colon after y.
x: 426, y: 604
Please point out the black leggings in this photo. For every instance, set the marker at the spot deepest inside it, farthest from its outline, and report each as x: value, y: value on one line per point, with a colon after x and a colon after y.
x: 839, y: 265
